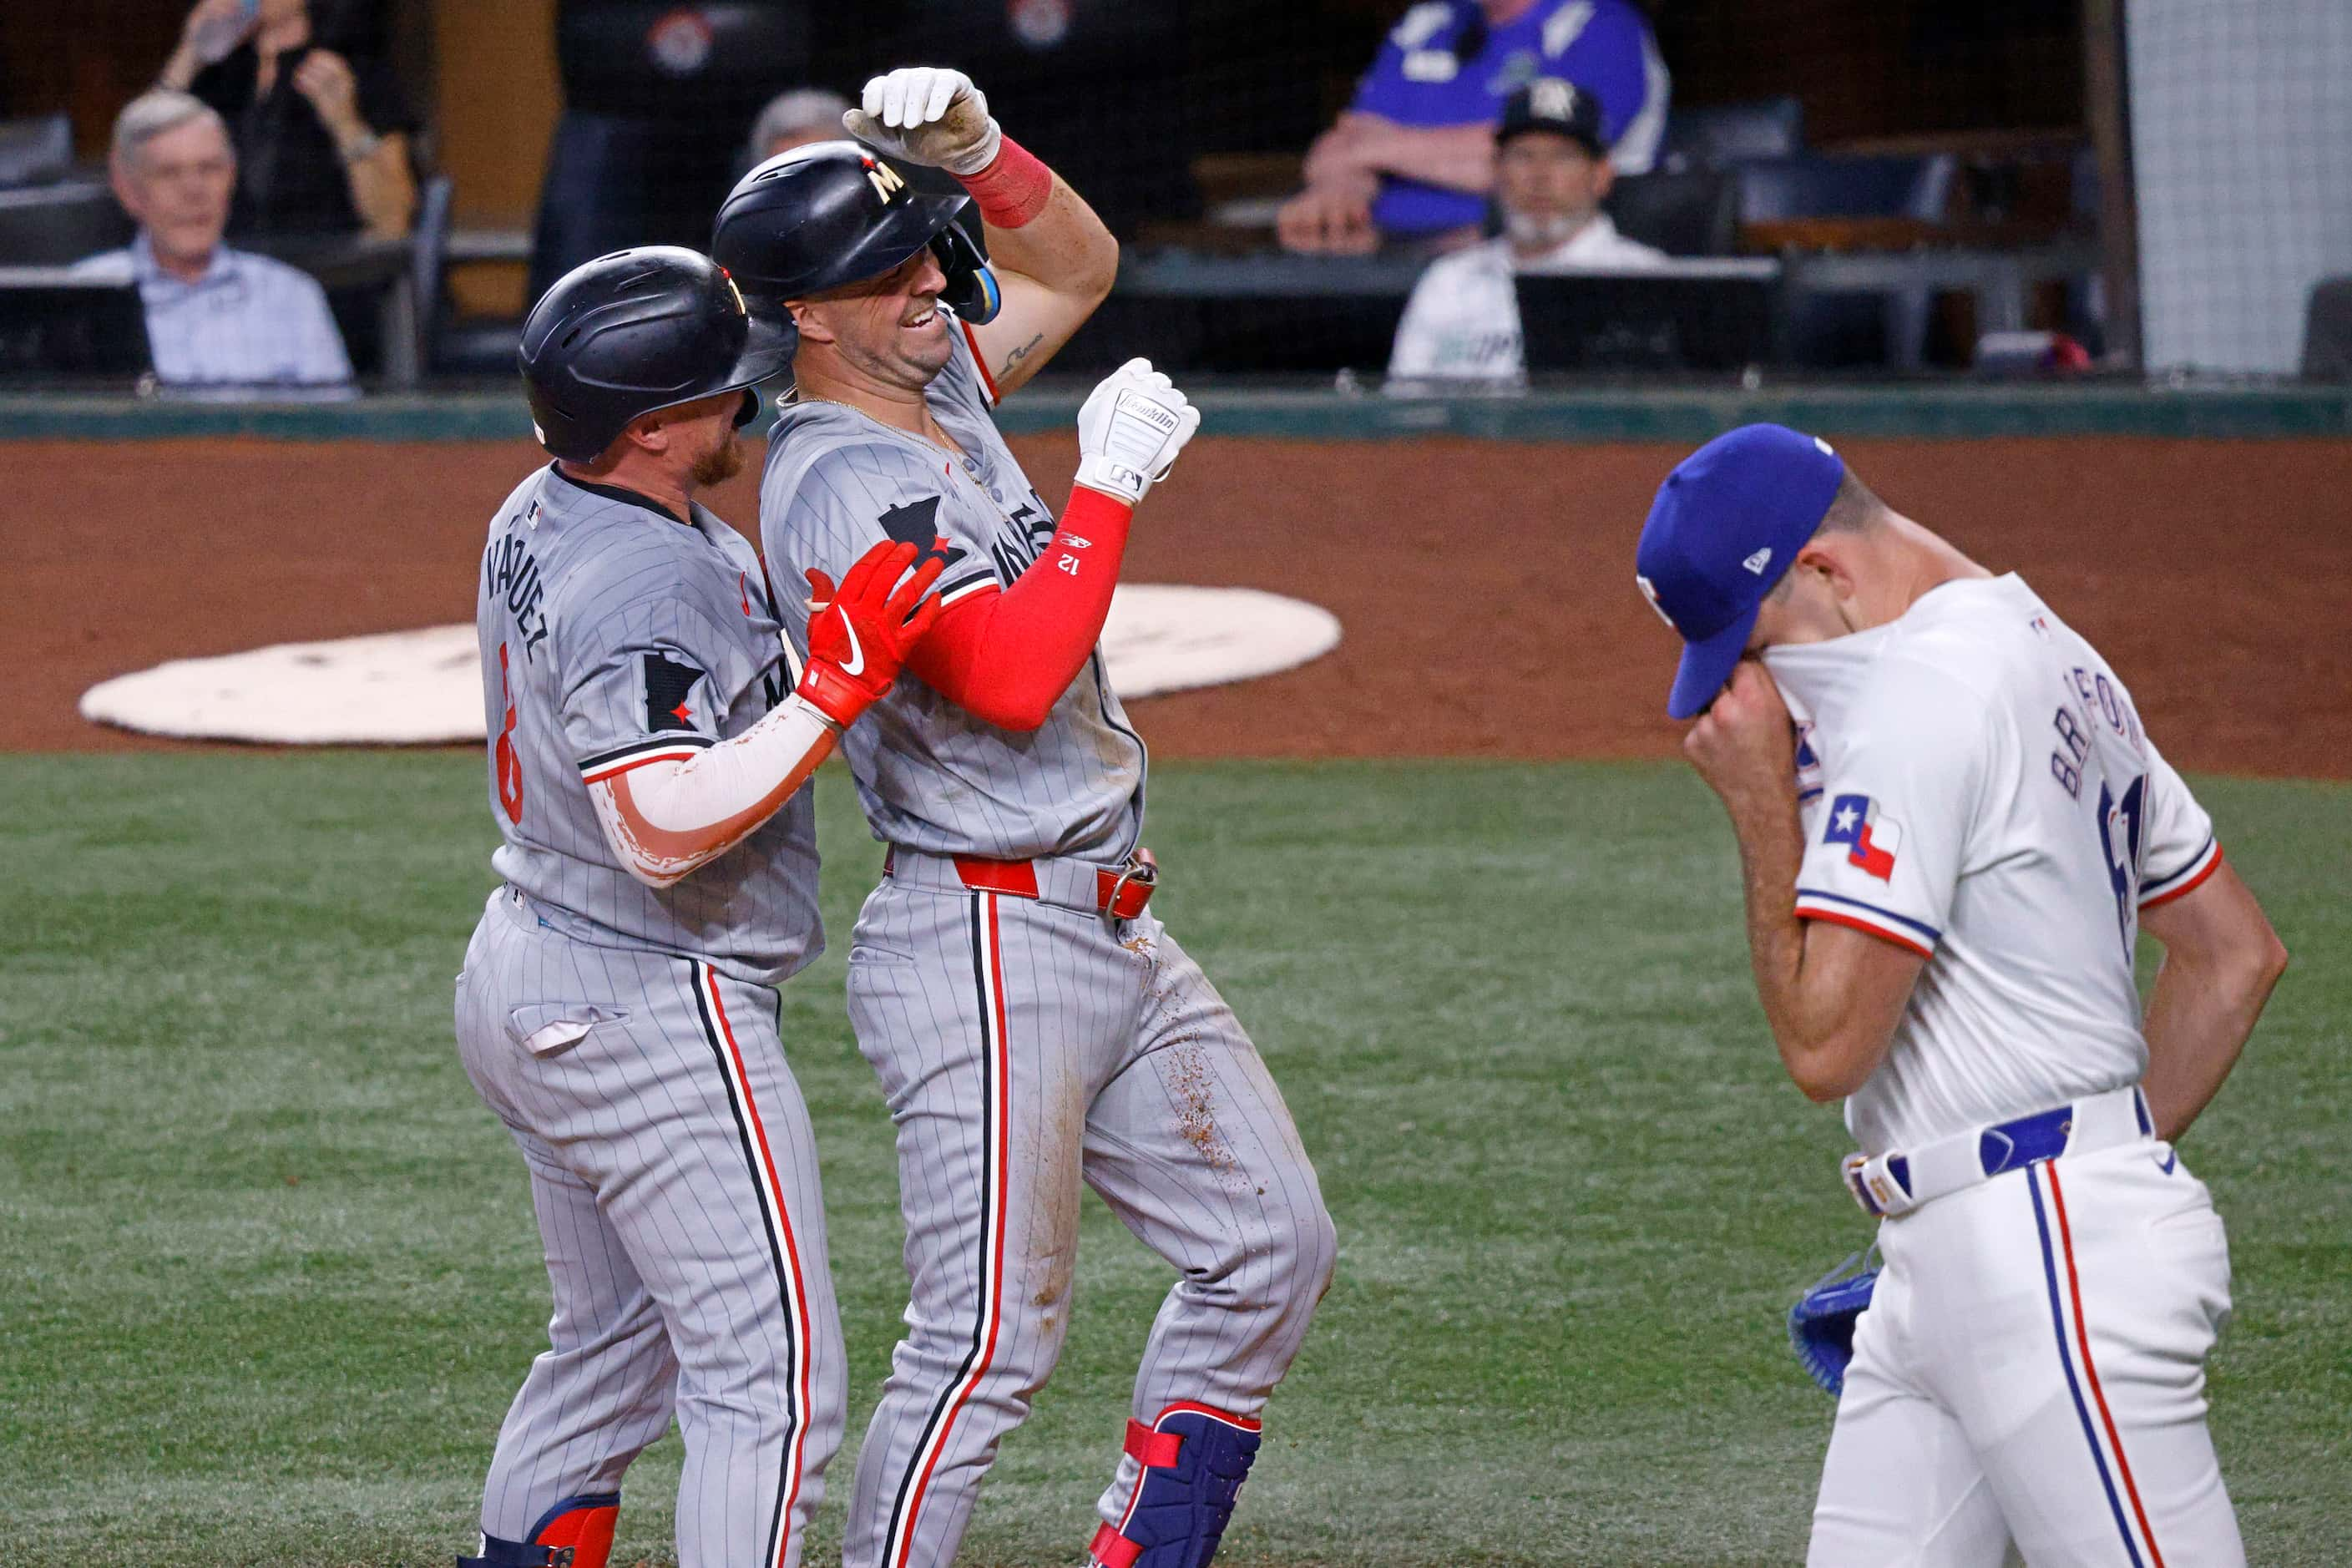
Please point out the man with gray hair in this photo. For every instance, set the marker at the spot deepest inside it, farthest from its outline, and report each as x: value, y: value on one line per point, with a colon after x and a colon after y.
x: 795, y: 119
x: 216, y: 317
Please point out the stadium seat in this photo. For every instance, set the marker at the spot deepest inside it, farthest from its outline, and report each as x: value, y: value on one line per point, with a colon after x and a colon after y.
x: 56, y: 225
x: 1844, y: 330
x: 1813, y: 186
x: 35, y: 152
x: 1691, y: 212
x: 2327, y: 332
x: 1721, y: 135
x: 428, y: 247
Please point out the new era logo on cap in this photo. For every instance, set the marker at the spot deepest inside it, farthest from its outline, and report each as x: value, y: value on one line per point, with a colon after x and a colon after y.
x: 1725, y: 526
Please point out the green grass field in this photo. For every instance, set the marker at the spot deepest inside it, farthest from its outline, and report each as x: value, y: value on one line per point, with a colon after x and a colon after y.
x: 267, y: 1274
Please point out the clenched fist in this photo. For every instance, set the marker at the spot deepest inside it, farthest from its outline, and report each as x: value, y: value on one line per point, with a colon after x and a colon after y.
x: 927, y: 114
x: 1745, y: 747
x: 1131, y: 429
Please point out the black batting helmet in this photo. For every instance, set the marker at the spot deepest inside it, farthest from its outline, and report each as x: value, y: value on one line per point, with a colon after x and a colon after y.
x: 835, y: 212
x: 637, y: 331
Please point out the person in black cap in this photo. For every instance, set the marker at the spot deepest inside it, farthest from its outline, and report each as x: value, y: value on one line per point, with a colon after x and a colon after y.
x: 1551, y: 170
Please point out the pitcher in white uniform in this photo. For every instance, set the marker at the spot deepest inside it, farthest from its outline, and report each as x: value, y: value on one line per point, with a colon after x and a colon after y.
x: 1952, y: 828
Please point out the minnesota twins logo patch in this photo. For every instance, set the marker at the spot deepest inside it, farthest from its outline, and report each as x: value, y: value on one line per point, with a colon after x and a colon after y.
x: 669, y: 686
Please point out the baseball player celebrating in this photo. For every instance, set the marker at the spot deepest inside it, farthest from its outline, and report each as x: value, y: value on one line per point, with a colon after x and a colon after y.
x: 1032, y: 1025
x: 1947, y: 858
x: 618, y: 1005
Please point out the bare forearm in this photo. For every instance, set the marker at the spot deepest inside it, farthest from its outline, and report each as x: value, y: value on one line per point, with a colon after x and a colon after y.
x: 382, y: 189
x: 1770, y: 854
x: 1053, y: 259
x: 2197, y: 1022
x: 1066, y: 249
x: 1460, y: 157
x: 179, y: 70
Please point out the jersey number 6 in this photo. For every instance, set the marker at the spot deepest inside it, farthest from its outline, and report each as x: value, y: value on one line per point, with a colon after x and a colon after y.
x: 509, y: 764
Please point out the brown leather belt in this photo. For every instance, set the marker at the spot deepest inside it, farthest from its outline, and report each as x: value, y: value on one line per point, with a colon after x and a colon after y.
x: 1119, y: 895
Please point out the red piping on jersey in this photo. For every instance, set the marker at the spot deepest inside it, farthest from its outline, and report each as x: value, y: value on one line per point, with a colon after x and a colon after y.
x: 979, y: 362
x: 1856, y: 923
x: 2190, y: 886
x: 1006, y: 657
x: 798, y: 1305
x: 998, y: 1156
x: 662, y: 754
x: 2083, y: 1341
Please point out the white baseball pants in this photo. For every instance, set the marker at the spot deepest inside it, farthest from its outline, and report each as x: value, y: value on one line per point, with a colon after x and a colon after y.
x: 2031, y: 1374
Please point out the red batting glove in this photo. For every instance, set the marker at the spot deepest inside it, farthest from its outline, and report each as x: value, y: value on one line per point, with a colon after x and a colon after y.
x: 860, y: 633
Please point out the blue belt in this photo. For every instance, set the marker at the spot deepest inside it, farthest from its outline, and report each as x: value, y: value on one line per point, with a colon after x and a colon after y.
x: 1895, y: 1182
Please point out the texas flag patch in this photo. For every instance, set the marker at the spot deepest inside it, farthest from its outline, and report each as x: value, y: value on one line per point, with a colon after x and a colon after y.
x: 1870, y: 836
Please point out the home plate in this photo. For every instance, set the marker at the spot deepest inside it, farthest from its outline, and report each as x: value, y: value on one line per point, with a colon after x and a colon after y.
x: 424, y: 688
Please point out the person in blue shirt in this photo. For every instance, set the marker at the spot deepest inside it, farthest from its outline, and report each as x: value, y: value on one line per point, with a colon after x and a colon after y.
x: 216, y: 317
x: 1413, y: 158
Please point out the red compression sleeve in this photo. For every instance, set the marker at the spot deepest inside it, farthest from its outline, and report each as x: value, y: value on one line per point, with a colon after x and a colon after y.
x: 1006, y: 659
x: 1012, y: 189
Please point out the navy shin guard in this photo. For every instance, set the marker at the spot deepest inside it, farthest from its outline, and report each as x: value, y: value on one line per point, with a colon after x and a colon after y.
x: 1194, y: 1460
x: 575, y: 1533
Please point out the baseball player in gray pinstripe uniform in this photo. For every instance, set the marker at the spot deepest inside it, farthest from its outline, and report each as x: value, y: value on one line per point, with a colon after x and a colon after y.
x: 618, y: 1005
x: 1033, y: 1025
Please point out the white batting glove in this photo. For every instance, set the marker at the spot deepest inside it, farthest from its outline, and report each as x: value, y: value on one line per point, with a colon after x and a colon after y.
x: 1131, y: 429
x: 927, y: 114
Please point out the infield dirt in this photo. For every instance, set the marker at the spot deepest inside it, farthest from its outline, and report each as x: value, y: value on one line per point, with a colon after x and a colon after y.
x: 1486, y: 589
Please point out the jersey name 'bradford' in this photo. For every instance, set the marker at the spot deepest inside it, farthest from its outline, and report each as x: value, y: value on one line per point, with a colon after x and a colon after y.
x: 1977, y: 788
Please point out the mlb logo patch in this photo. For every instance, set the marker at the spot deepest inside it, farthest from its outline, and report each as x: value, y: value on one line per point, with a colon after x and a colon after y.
x: 1870, y: 836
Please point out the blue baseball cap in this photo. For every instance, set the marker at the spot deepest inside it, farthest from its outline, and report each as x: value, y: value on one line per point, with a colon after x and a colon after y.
x: 1725, y: 526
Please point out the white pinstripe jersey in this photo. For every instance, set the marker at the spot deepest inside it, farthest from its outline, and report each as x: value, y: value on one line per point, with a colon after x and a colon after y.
x: 1976, y: 786
x: 613, y: 635
x: 931, y: 776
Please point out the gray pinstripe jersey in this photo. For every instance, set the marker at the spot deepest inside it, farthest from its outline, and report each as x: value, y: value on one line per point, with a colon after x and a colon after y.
x: 612, y: 635
x: 931, y: 776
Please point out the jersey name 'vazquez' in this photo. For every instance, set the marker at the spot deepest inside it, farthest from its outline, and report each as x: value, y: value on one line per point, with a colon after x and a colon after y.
x: 610, y: 633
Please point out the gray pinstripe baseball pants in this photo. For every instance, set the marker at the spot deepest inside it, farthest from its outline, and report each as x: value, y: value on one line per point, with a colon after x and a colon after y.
x: 675, y: 1183
x: 1024, y: 1048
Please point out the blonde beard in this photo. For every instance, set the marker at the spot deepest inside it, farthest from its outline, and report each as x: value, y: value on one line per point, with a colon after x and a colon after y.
x: 721, y: 463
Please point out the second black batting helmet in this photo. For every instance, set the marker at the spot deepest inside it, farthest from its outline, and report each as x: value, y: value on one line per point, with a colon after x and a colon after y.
x: 637, y: 331
x: 835, y: 212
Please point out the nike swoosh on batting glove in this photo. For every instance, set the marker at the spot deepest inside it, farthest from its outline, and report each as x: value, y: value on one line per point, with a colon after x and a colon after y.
x: 859, y: 633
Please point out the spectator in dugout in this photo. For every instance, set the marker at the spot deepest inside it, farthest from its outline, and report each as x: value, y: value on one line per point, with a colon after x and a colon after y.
x: 795, y: 119
x: 1551, y: 170
x: 321, y: 136
x: 1412, y: 159
x: 215, y: 316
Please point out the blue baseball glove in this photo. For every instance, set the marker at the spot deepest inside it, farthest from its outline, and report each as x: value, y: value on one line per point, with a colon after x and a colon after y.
x: 1820, y: 1325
